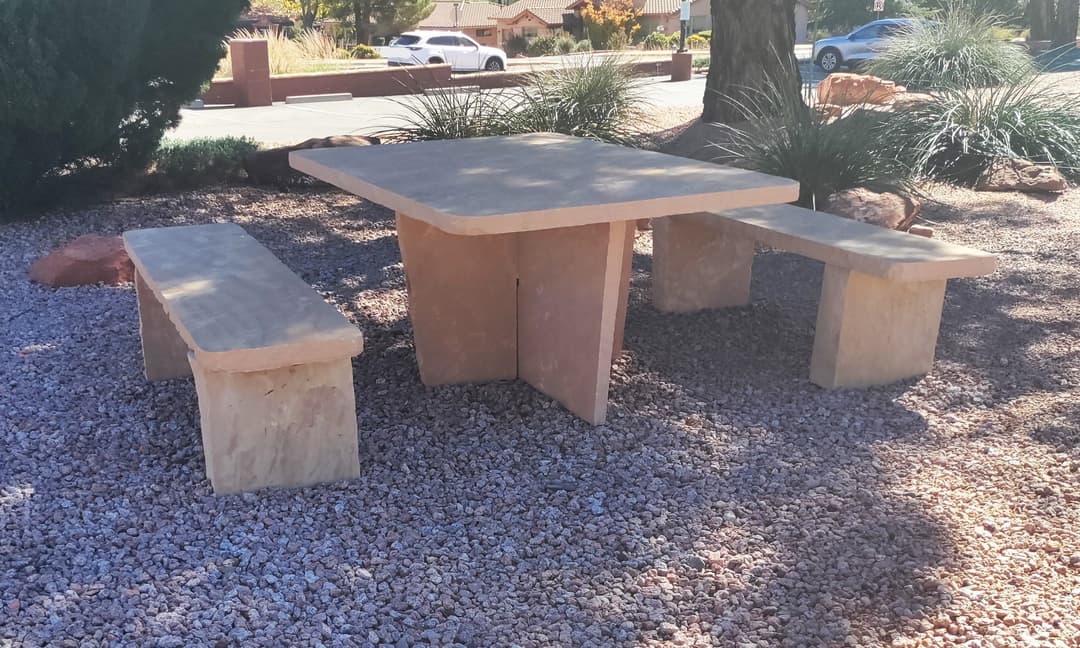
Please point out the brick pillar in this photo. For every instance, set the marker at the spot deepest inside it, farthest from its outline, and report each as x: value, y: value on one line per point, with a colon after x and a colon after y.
x: 251, y: 72
x: 681, y: 66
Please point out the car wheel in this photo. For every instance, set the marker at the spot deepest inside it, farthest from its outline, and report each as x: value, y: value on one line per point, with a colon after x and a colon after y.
x: 829, y: 60
x: 493, y: 65
x: 435, y: 60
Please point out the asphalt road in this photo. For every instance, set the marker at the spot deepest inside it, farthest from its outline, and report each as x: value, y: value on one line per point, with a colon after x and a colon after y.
x: 291, y: 123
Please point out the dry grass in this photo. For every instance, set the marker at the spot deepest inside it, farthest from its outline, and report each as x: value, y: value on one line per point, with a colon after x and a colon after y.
x: 308, y: 51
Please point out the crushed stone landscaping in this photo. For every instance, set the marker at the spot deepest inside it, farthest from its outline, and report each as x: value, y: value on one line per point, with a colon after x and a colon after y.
x: 727, y: 501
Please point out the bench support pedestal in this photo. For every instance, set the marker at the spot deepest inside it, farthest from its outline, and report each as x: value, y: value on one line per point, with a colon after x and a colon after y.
x: 546, y: 306
x: 698, y: 265
x: 871, y: 331
x: 293, y: 426
x: 165, y: 354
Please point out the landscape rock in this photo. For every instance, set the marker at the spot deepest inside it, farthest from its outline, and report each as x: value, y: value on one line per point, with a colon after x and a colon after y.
x: 89, y: 259
x: 883, y: 209
x: 271, y: 167
x: 846, y: 89
x: 1021, y: 175
x: 921, y: 230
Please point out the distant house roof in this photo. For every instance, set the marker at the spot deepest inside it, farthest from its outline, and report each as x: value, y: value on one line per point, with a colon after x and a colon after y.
x: 664, y: 7
x: 455, y: 15
x: 549, y: 11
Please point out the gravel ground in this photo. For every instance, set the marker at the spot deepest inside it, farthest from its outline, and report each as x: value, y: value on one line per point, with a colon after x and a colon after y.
x: 727, y: 502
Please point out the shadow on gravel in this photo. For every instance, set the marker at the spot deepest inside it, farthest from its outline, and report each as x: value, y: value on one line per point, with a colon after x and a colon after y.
x: 810, y: 545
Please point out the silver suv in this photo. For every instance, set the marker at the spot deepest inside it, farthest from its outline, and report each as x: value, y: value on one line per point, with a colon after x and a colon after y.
x: 858, y: 46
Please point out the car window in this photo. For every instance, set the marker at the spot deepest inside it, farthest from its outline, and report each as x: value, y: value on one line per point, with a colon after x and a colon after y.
x: 895, y: 29
x: 443, y: 40
x: 465, y: 42
x: 405, y: 39
x: 868, y: 32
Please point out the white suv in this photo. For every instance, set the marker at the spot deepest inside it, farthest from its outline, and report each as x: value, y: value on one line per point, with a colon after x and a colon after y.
x: 436, y: 47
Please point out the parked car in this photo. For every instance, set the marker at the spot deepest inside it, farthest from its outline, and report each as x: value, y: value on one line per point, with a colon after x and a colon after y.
x: 435, y: 47
x: 858, y: 46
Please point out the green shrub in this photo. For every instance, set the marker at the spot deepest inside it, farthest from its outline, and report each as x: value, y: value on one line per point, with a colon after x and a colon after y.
x: 95, y: 84
x: 957, y: 133
x: 657, y: 41
x: 600, y: 99
x: 701, y: 63
x: 697, y: 42
x: 565, y: 43
x: 362, y: 51
x: 706, y: 34
x: 197, y: 162
x: 542, y: 46
x: 824, y: 155
x: 959, y: 50
x: 617, y: 41
x: 515, y: 45
x: 584, y: 45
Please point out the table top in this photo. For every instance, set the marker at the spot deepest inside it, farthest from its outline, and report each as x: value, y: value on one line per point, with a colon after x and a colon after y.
x: 237, y: 307
x: 496, y: 185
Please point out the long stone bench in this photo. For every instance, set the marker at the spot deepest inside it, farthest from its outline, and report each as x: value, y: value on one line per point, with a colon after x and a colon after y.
x: 881, y: 297
x: 271, y: 359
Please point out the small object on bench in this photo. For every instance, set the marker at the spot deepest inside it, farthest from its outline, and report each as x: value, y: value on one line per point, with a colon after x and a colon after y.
x: 881, y: 298
x: 271, y: 359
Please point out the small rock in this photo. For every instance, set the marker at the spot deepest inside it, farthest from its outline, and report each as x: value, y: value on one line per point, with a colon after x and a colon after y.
x: 667, y: 630
x: 88, y: 260
x: 889, y: 210
x: 1021, y: 175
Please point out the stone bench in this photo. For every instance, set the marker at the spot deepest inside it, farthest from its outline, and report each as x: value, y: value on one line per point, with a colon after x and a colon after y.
x: 881, y: 297
x: 271, y: 359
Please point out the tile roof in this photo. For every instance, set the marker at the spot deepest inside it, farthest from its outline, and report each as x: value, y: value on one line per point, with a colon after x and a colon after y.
x: 469, y: 14
x: 550, y: 11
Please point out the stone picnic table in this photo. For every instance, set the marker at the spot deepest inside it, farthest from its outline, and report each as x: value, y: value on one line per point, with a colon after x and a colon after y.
x: 517, y: 249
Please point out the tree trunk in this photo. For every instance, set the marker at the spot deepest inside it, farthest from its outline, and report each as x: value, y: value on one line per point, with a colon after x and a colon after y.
x: 362, y: 16
x: 1064, y: 26
x: 307, y: 19
x: 753, y: 45
x: 1039, y: 16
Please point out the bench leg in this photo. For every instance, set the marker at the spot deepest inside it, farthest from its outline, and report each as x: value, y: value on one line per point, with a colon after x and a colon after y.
x: 871, y: 331
x: 165, y: 354
x: 698, y: 265
x: 568, y: 304
x: 462, y: 303
x: 624, y: 291
x: 293, y: 426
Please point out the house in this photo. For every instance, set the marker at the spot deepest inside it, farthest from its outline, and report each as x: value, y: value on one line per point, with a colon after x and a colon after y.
x: 663, y: 16
x: 493, y: 24
x: 475, y: 19
x: 532, y: 18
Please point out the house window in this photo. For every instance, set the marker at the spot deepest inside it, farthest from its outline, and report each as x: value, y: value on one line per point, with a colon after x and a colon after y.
x: 481, y: 33
x: 529, y: 32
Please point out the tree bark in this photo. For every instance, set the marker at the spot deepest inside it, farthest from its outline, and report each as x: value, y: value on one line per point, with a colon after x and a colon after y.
x: 1039, y: 15
x: 362, y: 16
x: 1064, y: 26
x: 753, y: 46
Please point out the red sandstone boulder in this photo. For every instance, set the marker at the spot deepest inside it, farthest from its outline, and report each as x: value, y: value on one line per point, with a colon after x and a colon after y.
x: 883, y: 209
x: 1021, y: 175
x: 272, y: 165
x: 843, y: 89
x: 89, y: 259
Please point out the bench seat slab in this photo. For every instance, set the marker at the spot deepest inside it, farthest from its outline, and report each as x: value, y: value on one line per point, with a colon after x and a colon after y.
x: 872, y: 331
x: 288, y: 427
x: 165, y: 354
x: 699, y: 264
x: 462, y: 303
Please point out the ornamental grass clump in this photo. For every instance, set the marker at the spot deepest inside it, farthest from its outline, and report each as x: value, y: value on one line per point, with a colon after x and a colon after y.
x: 782, y: 136
x: 599, y: 98
x: 959, y: 50
x: 956, y: 134
x: 596, y: 98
